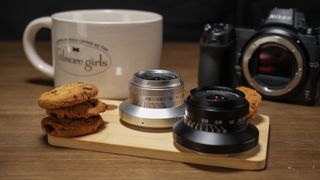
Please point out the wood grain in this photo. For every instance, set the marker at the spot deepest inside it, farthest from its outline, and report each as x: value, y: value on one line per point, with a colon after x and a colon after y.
x: 294, y: 141
x: 118, y: 138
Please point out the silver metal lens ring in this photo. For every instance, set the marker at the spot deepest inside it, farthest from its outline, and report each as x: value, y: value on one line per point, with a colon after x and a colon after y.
x: 155, y: 99
x: 253, y: 46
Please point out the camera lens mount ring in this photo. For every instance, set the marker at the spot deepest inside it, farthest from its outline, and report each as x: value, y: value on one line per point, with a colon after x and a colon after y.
x: 250, y: 50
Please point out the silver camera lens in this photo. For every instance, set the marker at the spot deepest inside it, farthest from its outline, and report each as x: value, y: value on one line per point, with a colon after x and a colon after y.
x: 155, y: 99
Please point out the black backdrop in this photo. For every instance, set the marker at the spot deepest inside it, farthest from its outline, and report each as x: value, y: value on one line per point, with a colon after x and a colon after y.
x: 183, y: 19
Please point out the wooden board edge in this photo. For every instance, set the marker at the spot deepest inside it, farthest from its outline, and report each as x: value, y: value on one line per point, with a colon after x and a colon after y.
x: 158, y: 154
x: 259, y: 163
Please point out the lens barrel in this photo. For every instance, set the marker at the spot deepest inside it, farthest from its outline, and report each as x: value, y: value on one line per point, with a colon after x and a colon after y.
x: 216, y: 122
x: 155, y: 99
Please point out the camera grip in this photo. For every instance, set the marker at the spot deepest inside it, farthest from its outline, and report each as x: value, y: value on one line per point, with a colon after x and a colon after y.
x: 216, y: 67
x: 209, y: 71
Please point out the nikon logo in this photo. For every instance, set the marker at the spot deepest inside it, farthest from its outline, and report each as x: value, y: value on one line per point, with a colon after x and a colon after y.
x: 280, y: 17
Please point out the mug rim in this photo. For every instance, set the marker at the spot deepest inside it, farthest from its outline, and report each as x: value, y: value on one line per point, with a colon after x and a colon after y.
x: 152, y: 16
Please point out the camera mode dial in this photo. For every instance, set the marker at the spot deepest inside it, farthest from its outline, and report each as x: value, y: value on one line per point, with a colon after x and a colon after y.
x: 218, y: 33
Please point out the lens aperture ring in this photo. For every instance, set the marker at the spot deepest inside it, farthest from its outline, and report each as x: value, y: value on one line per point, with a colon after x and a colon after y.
x: 218, y: 126
x: 157, y: 101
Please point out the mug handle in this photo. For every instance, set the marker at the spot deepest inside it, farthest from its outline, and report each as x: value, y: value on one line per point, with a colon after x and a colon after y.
x: 29, y: 36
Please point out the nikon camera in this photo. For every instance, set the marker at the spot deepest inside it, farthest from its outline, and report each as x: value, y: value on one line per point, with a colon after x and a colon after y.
x: 280, y: 60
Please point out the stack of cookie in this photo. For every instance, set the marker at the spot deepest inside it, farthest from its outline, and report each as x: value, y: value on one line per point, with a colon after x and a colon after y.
x: 72, y: 110
x: 254, y: 99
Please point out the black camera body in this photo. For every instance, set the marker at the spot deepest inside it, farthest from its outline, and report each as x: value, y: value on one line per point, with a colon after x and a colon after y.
x: 281, y: 60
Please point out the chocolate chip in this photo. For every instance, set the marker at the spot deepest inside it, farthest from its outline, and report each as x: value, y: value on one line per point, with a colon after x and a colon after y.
x: 54, y: 91
x: 54, y: 115
x: 49, y: 128
x: 87, y: 121
x: 93, y: 102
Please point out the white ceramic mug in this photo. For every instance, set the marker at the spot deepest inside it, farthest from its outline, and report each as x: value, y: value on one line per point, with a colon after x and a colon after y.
x: 104, y: 47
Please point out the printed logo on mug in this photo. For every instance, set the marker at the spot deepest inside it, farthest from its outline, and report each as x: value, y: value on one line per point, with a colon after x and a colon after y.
x: 93, y: 58
x: 104, y: 47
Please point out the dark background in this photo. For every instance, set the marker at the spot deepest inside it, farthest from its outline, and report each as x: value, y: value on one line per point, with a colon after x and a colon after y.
x: 183, y: 19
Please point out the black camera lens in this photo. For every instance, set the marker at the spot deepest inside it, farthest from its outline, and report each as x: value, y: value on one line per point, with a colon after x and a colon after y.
x: 216, y: 122
x: 218, y: 104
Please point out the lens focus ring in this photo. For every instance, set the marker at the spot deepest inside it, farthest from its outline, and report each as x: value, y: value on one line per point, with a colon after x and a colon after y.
x: 156, y: 98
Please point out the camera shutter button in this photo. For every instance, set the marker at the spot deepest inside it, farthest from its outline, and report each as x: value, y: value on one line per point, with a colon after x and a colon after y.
x: 207, y: 27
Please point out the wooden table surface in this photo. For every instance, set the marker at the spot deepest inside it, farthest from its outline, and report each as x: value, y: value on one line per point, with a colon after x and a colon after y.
x: 294, y: 142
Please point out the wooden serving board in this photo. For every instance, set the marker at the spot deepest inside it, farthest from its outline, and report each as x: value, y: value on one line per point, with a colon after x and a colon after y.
x: 116, y: 137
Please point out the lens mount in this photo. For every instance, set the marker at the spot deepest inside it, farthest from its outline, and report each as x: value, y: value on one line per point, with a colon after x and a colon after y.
x: 216, y: 121
x: 273, y: 40
x: 155, y: 99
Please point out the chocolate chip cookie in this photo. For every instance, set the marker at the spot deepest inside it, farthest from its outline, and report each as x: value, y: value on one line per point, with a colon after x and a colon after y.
x: 67, y: 95
x: 92, y: 107
x: 71, y: 127
x: 254, y: 99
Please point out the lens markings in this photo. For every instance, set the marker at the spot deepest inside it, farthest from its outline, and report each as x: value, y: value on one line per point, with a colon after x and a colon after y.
x: 201, y: 126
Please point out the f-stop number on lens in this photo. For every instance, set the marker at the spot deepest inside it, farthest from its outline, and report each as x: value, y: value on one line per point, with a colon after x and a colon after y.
x: 216, y: 122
